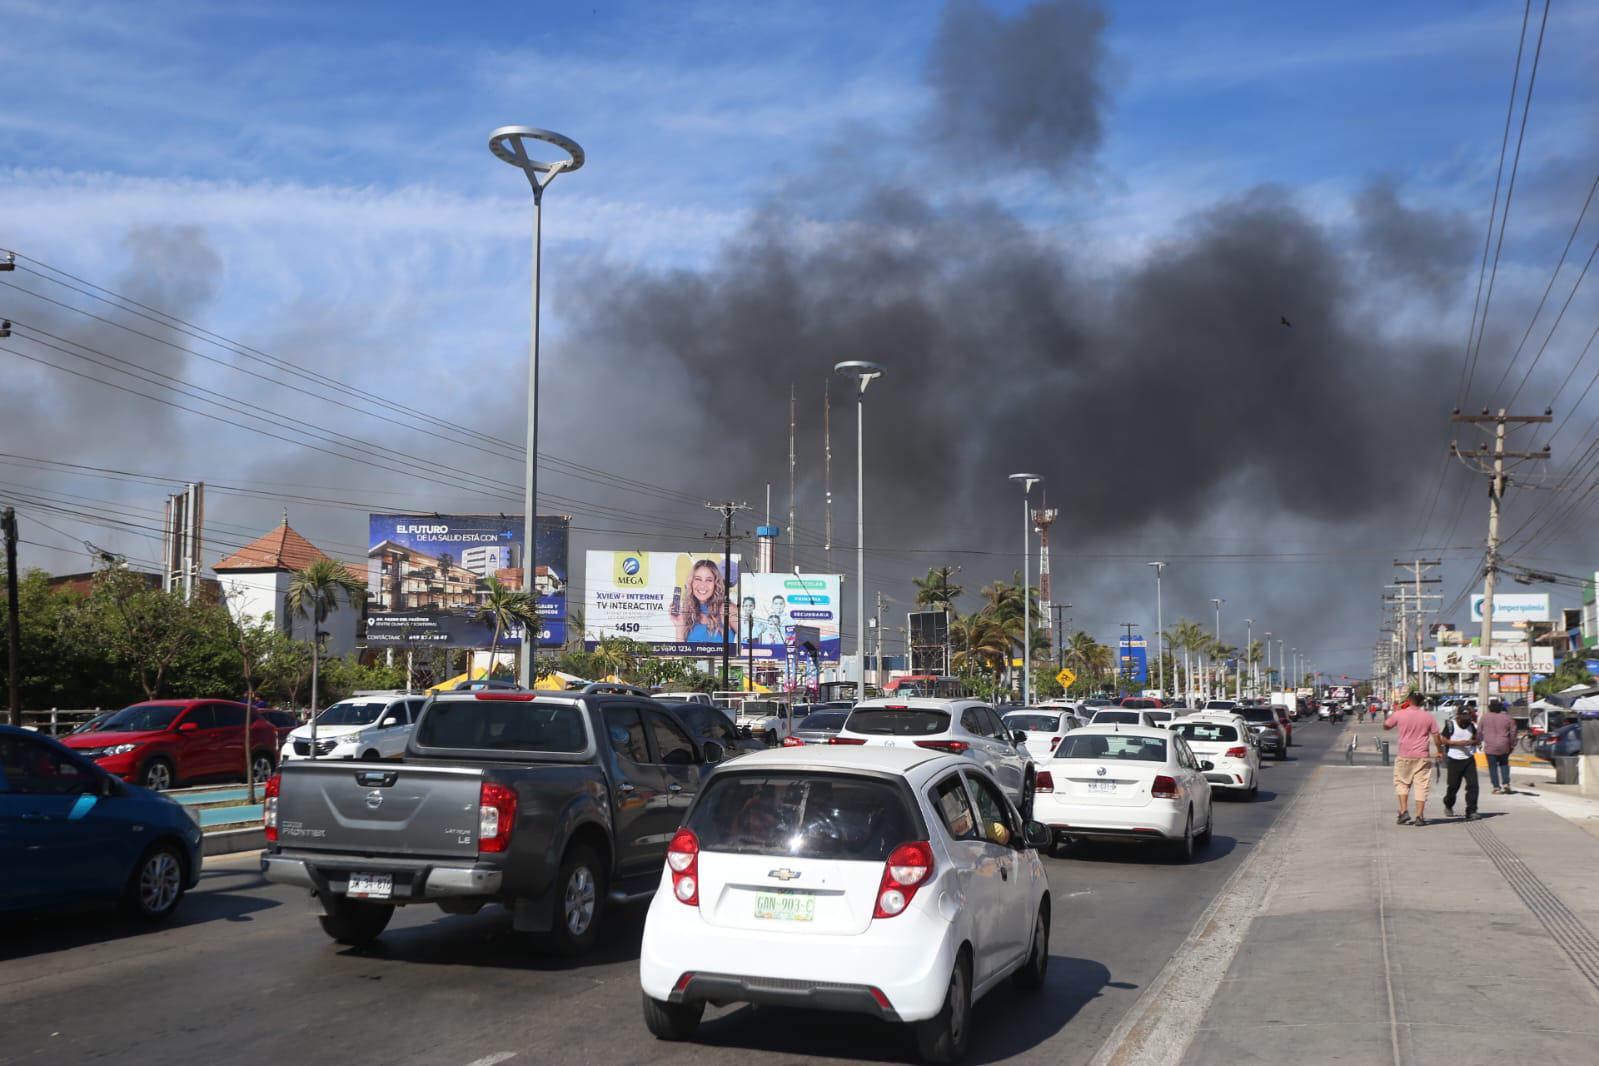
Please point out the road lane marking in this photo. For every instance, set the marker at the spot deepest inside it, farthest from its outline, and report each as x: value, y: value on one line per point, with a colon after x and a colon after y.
x: 494, y: 1059
x: 1161, y: 1025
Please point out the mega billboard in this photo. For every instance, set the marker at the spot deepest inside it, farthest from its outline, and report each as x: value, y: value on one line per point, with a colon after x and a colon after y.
x: 427, y: 578
x: 1514, y: 607
x: 771, y: 605
x: 672, y: 601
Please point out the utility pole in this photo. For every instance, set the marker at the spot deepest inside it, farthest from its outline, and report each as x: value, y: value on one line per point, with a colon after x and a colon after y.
x: 1127, y: 657
x: 1417, y: 569
x: 1057, y: 609
x: 728, y: 510
x: 792, y: 535
x: 1249, y: 647
x: 827, y: 487
x: 8, y: 526
x: 1475, y: 459
x: 879, y: 671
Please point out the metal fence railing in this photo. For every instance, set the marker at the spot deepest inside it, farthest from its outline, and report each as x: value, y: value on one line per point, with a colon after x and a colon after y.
x: 57, y: 721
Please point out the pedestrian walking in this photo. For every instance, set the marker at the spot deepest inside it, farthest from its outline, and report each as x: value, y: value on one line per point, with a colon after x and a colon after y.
x: 1498, y: 741
x: 1418, y: 732
x: 1461, y: 739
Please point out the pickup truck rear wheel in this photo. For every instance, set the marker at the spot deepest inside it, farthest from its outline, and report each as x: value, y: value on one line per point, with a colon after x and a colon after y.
x: 579, y: 900
x: 354, y: 921
x: 671, y: 1021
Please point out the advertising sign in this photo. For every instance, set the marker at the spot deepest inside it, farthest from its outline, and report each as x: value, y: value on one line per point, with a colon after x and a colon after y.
x: 1501, y: 659
x: 427, y: 578
x: 771, y: 605
x: 1514, y: 607
x: 1132, y: 659
x: 672, y: 601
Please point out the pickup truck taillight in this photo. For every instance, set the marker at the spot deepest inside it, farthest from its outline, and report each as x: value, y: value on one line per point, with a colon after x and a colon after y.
x: 496, y: 816
x: 269, y: 807
x: 683, y: 859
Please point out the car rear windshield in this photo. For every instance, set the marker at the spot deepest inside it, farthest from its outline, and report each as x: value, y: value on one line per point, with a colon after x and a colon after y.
x: 1033, y: 723
x: 1258, y: 714
x: 1118, y: 718
x: 503, y: 725
x: 1111, y: 746
x: 897, y: 721
x: 814, y: 815
x: 824, y: 721
x: 140, y: 718
x: 1206, y: 731
x: 1158, y: 715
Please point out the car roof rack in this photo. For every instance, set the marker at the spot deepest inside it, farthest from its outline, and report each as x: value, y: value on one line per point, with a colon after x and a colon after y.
x: 615, y: 689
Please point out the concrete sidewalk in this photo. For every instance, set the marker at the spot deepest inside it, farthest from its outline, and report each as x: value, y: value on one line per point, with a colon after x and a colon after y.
x: 1451, y: 943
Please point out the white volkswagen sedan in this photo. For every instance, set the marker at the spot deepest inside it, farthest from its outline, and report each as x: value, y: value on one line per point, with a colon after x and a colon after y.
x: 1132, y: 783
x: 1222, y: 739
x: 896, y: 882
x: 968, y: 728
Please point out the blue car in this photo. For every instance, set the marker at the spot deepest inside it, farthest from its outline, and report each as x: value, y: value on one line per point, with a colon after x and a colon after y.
x: 71, y: 832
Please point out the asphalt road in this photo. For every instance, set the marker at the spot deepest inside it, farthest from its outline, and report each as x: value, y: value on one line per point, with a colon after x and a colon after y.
x: 244, y: 975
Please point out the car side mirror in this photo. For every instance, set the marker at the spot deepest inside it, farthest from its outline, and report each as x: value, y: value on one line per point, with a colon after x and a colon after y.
x: 1207, y: 765
x: 1038, y: 835
x: 188, y: 727
x: 713, y: 751
x: 107, y: 787
x: 1018, y: 738
x: 388, y: 722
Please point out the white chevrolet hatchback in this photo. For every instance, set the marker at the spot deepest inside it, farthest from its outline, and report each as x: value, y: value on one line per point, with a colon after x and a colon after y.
x: 896, y: 882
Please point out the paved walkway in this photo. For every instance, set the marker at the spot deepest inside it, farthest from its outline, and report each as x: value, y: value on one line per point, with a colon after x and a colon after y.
x: 1451, y: 943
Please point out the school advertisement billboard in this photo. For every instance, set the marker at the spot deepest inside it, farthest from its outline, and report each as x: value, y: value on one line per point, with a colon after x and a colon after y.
x: 771, y: 605
x: 672, y: 601
x: 428, y: 578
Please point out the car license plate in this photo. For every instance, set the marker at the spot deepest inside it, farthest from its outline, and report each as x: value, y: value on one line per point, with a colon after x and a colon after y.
x: 1102, y: 786
x: 371, y: 886
x: 785, y: 906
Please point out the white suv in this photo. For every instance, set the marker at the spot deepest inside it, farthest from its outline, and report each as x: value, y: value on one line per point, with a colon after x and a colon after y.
x: 968, y: 728
x: 828, y: 878
x: 361, y: 727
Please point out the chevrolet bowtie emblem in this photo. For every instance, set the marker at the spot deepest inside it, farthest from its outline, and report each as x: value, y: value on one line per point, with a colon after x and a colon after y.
x: 785, y: 874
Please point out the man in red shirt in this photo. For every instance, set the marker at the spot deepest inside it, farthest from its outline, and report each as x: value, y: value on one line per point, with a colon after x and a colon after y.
x: 1418, y: 732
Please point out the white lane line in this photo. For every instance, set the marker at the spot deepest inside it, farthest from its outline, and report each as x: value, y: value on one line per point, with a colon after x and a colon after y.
x: 494, y: 1059
x: 1161, y: 1025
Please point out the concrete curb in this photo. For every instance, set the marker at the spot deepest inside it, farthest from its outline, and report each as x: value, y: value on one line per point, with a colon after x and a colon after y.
x: 1161, y: 1025
x: 228, y: 841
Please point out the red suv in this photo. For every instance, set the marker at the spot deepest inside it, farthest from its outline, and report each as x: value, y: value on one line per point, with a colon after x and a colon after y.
x: 166, y: 742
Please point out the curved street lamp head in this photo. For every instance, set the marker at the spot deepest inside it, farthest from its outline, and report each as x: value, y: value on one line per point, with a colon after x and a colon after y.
x: 861, y: 370
x: 1159, y: 566
x: 509, y: 143
x: 1027, y: 481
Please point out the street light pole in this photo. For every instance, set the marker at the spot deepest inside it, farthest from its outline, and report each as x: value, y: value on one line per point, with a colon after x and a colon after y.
x: 1268, y: 666
x: 1027, y: 481
x: 509, y: 143
x: 1249, y: 644
x: 863, y: 373
x: 1217, y: 686
x: 1160, y: 632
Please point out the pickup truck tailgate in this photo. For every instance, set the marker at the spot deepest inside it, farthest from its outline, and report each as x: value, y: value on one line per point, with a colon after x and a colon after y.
x: 379, y: 808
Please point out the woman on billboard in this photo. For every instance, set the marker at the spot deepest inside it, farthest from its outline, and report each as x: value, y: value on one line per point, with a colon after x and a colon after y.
x: 699, y: 620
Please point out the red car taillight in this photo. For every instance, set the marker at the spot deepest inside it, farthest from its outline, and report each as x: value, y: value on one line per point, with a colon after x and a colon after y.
x: 1164, y: 787
x: 1239, y: 752
x: 1043, y: 782
x: 496, y: 816
x: 845, y: 740
x: 954, y: 747
x: 683, y: 859
x: 269, y: 807
x: 909, y: 867
x: 793, y: 742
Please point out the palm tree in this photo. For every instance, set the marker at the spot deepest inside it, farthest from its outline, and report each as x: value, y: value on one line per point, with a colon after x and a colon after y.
x: 505, y: 607
x: 1189, y: 637
x: 935, y: 591
x: 314, y: 593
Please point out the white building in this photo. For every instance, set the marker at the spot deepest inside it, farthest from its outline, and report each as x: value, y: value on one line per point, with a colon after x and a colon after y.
x: 255, y: 582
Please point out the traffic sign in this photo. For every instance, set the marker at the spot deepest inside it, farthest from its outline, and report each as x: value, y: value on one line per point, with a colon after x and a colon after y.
x: 1066, y: 677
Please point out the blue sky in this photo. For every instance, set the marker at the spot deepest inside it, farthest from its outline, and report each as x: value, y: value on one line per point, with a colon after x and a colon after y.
x: 332, y: 161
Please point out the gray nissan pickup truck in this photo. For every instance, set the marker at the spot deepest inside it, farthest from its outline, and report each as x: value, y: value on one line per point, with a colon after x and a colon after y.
x: 553, y: 804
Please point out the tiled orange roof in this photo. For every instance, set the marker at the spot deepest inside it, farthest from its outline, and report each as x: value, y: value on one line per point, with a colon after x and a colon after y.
x: 281, y: 549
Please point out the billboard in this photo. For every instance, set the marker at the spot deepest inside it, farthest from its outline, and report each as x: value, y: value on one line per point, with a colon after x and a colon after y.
x: 771, y: 605
x: 1514, y: 607
x: 1504, y: 659
x: 427, y: 578
x: 1132, y: 659
x: 672, y: 601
